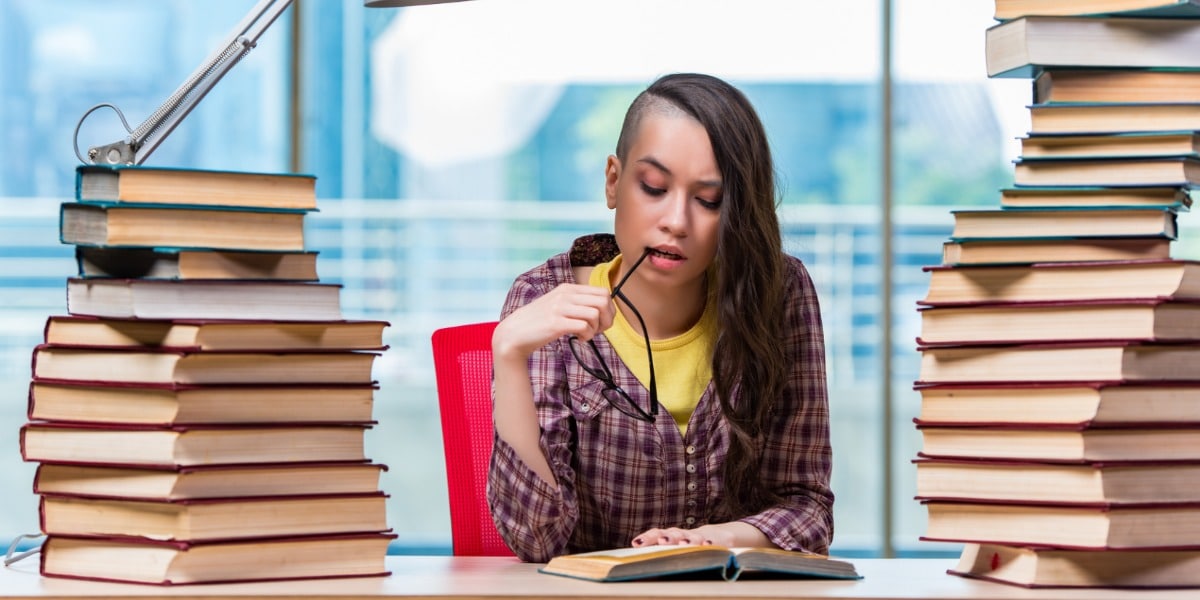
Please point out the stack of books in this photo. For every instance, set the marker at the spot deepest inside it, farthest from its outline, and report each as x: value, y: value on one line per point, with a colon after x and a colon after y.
x: 199, y: 413
x: 1060, y: 402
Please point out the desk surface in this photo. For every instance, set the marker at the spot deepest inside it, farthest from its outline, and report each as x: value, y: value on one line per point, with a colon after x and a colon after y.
x: 490, y: 578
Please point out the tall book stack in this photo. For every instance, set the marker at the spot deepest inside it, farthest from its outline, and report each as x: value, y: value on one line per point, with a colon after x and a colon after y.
x: 1060, y: 398
x: 199, y: 413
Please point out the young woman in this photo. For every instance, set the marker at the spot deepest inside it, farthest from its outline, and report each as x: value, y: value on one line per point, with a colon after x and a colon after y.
x: 691, y: 306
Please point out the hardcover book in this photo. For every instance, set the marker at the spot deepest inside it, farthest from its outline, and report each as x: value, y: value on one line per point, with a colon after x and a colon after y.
x: 211, y: 519
x: 1141, y: 144
x: 213, y: 334
x: 197, y: 187
x: 1026, y: 252
x: 1024, y: 46
x: 204, y: 299
x: 1180, y: 170
x: 164, y: 365
x: 152, y: 226
x: 1009, y: 323
x: 1014, y: 223
x: 625, y: 564
x: 1075, y: 402
x: 1060, y: 361
x: 1116, y: 85
x: 1113, y: 117
x: 1061, y: 443
x: 1090, y: 527
x: 179, y: 446
x: 174, y: 404
x: 207, y: 481
x: 1118, y: 280
x: 1057, y: 483
x: 226, y: 561
x: 179, y: 263
x: 1011, y: 9
x: 1044, y: 567
x: 1173, y: 197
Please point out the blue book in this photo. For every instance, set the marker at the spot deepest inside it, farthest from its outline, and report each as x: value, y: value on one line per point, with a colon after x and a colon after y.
x: 1179, y: 9
x: 1026, y: 46
x: 155, y: 226
x: 1075, y: 223
x: 1177, y: 198
x: 195, y: 187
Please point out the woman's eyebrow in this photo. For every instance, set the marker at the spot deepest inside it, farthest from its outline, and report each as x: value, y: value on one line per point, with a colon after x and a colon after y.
x: 654, y: 162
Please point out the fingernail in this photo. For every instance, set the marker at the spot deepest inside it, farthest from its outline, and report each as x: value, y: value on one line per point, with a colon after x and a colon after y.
x: 637, y: 541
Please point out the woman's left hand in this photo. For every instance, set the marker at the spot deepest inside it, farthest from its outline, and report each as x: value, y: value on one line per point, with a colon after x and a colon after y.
x: 730, y: 534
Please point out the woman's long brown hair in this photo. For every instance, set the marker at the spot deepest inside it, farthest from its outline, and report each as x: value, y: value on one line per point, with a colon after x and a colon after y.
x: 748, y: 367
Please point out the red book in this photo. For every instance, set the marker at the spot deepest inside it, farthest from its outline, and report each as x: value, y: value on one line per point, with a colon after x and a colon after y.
x: 178, y: 404
x: 1078, y: 526
x: 209, y: 481
x: 1091, y: 280
x: 1083, y: 402
x: 126, y: 445
x: 1043, y: 567
x: 176, y: 563
x: 1138, y: 319
x: 1033, y: 482
x: 1061, y: 443
x: 214, y: 334
x: 1110, y: 361
x: 213, y: 519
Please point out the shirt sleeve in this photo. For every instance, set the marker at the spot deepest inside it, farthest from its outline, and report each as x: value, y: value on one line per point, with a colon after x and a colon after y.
x: 797, y: 459
x: 535, y: 519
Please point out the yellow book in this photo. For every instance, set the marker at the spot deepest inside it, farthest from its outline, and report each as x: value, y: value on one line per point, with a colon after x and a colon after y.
x: 626, y: 564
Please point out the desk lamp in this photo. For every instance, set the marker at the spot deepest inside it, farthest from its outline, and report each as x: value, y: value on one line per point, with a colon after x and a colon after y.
x: 143, y: 140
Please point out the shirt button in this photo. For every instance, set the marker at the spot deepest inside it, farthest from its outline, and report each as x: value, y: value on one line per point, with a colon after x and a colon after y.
x: 691, y: 503
x: 691, y: 449
x: 585, y: 407
x: 690, y: 520
x: 690, y: 468
x: 691, y: 486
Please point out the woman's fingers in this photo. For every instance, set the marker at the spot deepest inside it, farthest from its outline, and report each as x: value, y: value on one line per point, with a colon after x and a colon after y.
x: 671, y: 536
x: 569, y: 309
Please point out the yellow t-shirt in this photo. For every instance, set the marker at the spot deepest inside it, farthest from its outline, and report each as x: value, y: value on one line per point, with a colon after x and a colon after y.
x: 682, y: 364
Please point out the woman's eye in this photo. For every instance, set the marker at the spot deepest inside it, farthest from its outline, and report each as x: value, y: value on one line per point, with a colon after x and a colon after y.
x: 653, y: 191
x: 709, y: 204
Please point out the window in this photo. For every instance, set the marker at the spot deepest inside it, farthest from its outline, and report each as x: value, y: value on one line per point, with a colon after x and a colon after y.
x: 452, y: 155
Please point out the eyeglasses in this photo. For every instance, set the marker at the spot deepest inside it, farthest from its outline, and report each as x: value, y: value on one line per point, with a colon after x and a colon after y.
x: 612, y: 392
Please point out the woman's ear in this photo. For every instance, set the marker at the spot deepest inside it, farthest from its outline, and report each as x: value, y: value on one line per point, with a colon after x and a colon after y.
x: 612, y: 173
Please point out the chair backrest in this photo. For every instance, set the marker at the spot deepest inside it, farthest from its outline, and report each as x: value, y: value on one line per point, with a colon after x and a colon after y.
x: 462, y: 359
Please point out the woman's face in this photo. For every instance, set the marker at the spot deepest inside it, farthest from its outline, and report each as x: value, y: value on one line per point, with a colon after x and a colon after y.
x: 667, y: 196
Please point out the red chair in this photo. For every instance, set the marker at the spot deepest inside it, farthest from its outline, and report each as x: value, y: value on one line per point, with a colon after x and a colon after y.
x: 462, y: 359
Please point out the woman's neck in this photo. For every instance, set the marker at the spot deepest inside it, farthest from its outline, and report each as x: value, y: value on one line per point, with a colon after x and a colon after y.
x: 668, y: 311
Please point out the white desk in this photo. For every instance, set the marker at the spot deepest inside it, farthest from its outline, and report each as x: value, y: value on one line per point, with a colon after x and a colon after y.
x: 443, y: 577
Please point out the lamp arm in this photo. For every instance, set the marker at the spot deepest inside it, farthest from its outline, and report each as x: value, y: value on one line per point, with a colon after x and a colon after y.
x: 146, y: 137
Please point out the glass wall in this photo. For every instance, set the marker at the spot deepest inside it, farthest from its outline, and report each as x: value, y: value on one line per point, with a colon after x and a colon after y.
x: 453, y: 154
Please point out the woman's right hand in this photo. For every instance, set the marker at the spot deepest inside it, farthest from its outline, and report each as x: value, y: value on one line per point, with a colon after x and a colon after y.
x: 569, y: 309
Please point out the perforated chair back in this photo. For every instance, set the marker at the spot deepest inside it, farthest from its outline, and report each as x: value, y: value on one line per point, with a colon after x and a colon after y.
x: 462, y: 359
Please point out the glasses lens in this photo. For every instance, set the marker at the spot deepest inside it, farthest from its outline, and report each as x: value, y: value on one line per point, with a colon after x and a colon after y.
x: 622, y: 402
x: 589, y: 358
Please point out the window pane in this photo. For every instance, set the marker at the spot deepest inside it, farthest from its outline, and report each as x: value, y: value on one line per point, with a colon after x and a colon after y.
x: 60, y: 59
x: 487, y: 153
x: 954, y: 136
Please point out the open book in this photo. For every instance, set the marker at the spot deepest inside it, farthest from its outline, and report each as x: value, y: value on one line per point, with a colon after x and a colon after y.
x: 626, y: 564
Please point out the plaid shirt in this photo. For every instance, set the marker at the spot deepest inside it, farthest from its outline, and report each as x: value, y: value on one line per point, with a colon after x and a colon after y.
x: 618, y: 476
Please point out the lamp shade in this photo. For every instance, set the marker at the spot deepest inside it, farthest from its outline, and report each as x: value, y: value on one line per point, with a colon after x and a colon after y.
x: 401, y: 3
